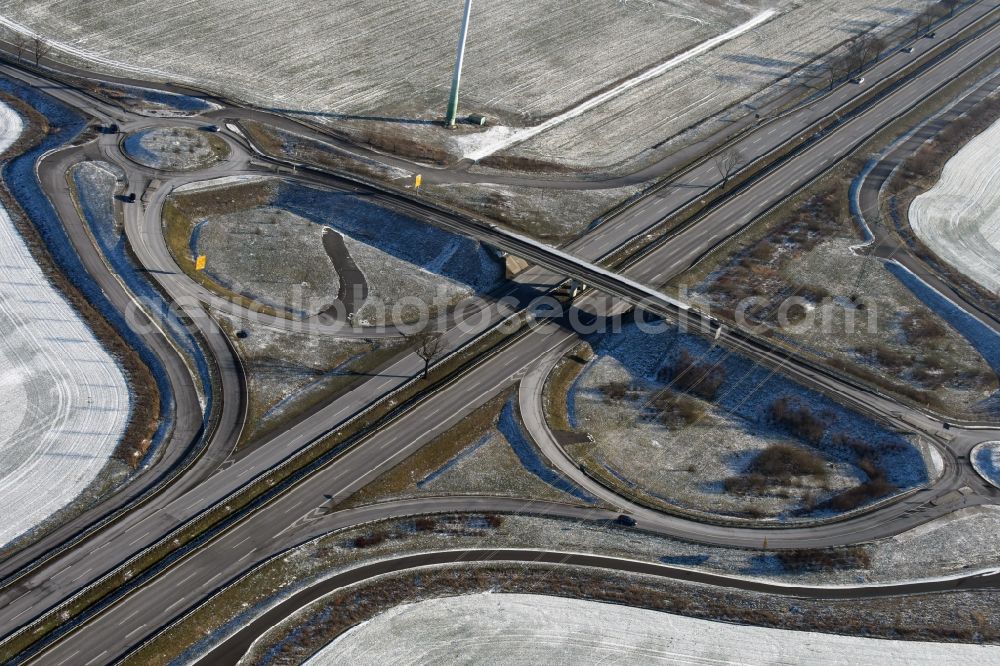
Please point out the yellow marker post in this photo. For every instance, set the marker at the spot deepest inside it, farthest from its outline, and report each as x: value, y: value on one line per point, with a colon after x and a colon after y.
x: 417, y: 180
x: 199, y: 263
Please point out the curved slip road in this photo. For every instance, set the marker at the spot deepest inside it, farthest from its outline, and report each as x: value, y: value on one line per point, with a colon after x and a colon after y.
x: 886, y: 244
x: 232, y: 648
x: 290, y: 439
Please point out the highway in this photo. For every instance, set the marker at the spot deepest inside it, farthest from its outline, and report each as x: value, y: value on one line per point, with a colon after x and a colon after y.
x: 293, y: 517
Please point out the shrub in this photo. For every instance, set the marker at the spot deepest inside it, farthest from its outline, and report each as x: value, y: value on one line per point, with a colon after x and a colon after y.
x: 368, y: 540
x: 746, y: 484
x: 615, y: 390
x: 824, y: 559
x: 798, y: 419
x: 493, y: 520
x: 425, y: 524
x: 860, y: 447
x: 862, y: 494
x: 920, y: 326
x: 677, y: 408
x: 781, y: 461
x: 700, y: 379
x: 763, y: 251
x: 813, y: 293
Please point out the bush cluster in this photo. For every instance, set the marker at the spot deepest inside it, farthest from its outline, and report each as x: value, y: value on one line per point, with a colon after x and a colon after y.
x: 700, y: 379
x: 824, y: 559
x: 798, y: 419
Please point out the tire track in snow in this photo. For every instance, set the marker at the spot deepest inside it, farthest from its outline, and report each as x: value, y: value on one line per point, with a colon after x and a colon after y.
x: 495, y: 139
x: 64, y: 403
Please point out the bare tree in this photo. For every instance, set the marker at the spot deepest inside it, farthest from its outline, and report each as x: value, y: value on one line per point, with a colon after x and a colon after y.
x: 41, y: 48
x: 951, y: 6
x: 835, y: 69
x: 727, y: 164
x: 862, y: 51
x: 20, y: 44
x: 428, y: 345
x: 873, y: 47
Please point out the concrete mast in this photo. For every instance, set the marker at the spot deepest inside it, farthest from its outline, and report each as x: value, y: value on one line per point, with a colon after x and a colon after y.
x: 453, y: 98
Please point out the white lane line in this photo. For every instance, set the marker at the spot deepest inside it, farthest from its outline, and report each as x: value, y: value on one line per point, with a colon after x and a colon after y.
x: 212, y: 579
x: 247, y: 555
x: 134, y: 631
x: 22, y: 613
x: 128, y: 617
x: 179, y: 601
x: 139, y: 538
x: 81, y: 575
x: 185, y: 579
x: 96, y: 658
x: 241, y: 541
x: 68, y: 658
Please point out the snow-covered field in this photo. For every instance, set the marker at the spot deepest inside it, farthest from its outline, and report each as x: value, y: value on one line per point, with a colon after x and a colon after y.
x: 959, y: 218
x: 175, y: 148
x: 525, y: 64
x: 534, y: 629
x: 64, y: 403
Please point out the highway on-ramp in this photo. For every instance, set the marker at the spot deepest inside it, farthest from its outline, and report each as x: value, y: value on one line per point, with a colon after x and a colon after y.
x: 406, y: 434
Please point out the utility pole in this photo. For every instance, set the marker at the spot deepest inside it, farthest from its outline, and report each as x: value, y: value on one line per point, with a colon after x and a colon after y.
x: 453, y: 98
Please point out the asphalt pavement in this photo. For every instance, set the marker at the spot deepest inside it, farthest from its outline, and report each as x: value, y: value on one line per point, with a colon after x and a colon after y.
x: 293, y: 517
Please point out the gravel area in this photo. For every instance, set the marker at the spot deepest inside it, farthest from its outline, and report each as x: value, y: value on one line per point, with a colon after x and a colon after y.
x: 269, y: 255
x: 175, y: 148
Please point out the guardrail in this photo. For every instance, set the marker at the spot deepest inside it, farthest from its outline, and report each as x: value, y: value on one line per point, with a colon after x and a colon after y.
x: 250, y: 495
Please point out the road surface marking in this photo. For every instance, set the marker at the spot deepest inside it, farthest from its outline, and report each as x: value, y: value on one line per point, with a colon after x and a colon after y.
x: 235, y: 545
x: 210, y: 580
x: 96, y: 658
x: 68, y: 658
x: 139, y: 538
x: 21, y: 613
x: 128, y: 617
x: 247, y: 555
x: 185, y: 579
x: 136, y: 630
x: 179, y: 601
x: 81, y: 576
